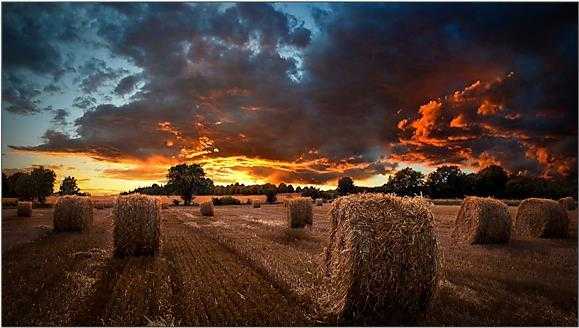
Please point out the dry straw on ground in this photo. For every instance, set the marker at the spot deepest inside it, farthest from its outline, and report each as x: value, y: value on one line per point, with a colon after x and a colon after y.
x: 137, y: 220
x: 73, y: 213
x: 24, y: 209
x: 319, y: 202
x: 383, y: 260
x: 256, y: 203
x: 207, y: 208
x: 299, y: 212
x: 482, y: 221
x: 568, y: 203
x: 541, y: 218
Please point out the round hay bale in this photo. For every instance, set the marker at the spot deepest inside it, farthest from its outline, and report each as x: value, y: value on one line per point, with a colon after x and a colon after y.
x: 300, y: 212
x: 256, y: 203
x: 9, y: 202
x: 24, y: 209
x: 137, y: 220
x: 72, y: 213
x: 541, y: 218
x: 383, y: 261
x: 319, y: 202
x: 568, y: 203
x: 482, y: 221
x: 207, y: 208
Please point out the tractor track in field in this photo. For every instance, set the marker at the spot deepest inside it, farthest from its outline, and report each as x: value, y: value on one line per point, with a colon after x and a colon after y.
x: 193, y: 281
x: 229, y: 289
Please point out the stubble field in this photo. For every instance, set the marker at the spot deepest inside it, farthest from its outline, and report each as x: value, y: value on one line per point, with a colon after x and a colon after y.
x: 243, y: 268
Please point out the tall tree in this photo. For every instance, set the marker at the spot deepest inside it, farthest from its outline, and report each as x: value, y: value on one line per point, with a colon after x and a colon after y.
x: 406, y: 182
x: 446, y: 181
x: 24, y: 186
x: 491, y: 181
x: 69, y: 186
x: 188, y: 180
x: 346, y: 186
x: 43, y: 181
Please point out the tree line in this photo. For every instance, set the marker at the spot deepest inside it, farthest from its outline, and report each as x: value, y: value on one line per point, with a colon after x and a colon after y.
x: 36, y: 185
x: 444, y: 182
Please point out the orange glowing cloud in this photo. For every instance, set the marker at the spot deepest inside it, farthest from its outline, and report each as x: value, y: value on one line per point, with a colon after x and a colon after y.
x: 458, y: 122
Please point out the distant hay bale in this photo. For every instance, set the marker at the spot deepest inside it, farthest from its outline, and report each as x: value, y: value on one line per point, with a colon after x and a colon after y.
x: 9, y: 202
x: 299, y: 212
x: 568, y: 203
x: 541, y: 218
x: 319, y: 202
x: 256, y: 203
x: 72, y: 213
x: 24, y: 209
x: 137, y: 230
x: 383, y: 261
x: 482, y: 221
x: 207, y: 208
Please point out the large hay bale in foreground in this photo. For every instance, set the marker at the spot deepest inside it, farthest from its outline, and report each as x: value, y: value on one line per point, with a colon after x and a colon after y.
x: 319, y: 202
x: 207, y: 208
x: 100, y: 204
x: 299, y: 212
x: 24, y: 209
x: 256, y: 203
x: 72, y: 213
x: 568, y: 203
x: 383, y: 261
x: 137, y: 220
x: 541, y: 218
x: 482, y: 221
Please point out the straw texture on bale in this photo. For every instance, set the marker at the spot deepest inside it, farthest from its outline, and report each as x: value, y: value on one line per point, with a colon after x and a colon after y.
x: 24, y: 209
x: 102, y: 204
x: 137, y: 230
x: 72, y: 213
x: 300, y: 212
x: 482, y: 221
x: 568, y: 203
x: 207, y: 208
x: 383, y: 260
x: 541, y: 218
x: 319, y: 202
x: 256, y: 203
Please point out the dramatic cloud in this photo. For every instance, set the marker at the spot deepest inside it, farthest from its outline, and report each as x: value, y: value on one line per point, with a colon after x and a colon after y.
x: 249, y: 90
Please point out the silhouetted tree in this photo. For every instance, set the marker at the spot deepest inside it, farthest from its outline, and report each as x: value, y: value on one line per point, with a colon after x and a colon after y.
x: 346, y: 186
x: 446, y: 181
x: 37, y: 184
x: 5, y: 186
x: 188, y: 180
x: 69, y: 186
x: 271, y: 196
x: 406, y: 182
x: 311, y: 192
x: 24, y: 186
x: 491, y: 181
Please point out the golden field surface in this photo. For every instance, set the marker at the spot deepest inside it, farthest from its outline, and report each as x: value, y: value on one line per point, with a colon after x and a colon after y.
x: 243, y: 267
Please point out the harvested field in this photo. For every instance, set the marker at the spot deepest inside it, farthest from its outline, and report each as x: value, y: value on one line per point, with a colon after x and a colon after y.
x: 247, y: 269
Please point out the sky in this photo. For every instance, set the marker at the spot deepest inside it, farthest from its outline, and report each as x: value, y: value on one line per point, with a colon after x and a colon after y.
x: 303, y: 93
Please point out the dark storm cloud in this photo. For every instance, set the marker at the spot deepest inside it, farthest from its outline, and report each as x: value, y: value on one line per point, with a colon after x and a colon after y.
x: 127, y: 84
x: 59, y: 116
x: 253, y: 81
x: 19, y: 96
x: 97, y: 73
